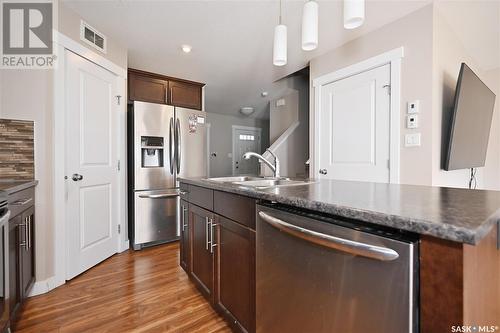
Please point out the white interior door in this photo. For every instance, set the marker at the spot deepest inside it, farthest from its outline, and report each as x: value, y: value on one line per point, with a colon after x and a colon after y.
x: 245, y: 140
x: 354, y: 127
x: 91, y: 154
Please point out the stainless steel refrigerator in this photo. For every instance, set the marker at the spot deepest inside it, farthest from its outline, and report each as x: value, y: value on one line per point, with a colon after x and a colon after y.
x: 164, y: 143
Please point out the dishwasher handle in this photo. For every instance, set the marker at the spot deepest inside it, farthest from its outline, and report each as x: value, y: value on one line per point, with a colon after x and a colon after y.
x: 158, y: 196
x: 332, y: 242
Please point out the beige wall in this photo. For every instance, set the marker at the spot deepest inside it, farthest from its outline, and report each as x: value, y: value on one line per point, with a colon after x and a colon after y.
x: 414, y: 33
x: 69, y: 24
x: 449, y: 53
x: 28, y: 95
x: 282, y: 117
x: 25, y: 95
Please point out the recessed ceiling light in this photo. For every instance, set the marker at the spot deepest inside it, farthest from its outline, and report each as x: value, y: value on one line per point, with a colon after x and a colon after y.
x: 186, y: 48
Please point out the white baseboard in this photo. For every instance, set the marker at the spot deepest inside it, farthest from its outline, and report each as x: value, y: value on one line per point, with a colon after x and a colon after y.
x: 44, y: 286
x: 124, y: 246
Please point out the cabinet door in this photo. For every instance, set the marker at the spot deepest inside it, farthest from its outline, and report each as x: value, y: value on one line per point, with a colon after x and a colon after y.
x: 185, y: 95
x: 16, y: 246
x: 202, y: 260
x: 147, y: 89
x: 235, y: 274
x: 184, y: 240
x: 28, y: 253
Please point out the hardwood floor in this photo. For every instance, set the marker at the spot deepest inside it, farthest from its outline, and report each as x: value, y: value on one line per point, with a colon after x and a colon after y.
x: 143, y: 291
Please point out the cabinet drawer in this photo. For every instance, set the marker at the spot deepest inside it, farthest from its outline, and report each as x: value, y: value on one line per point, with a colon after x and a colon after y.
x: 201, y: 196
x: 235, y: 207
x: 20, y: 201
x: 184, y: 191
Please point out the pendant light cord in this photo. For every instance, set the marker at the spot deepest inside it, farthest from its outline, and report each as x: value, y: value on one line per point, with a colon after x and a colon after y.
x: 280, y: 15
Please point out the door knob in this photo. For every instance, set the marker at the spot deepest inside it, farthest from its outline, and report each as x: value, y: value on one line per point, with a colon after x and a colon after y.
x: 76, y: 177
x: 323, y: 171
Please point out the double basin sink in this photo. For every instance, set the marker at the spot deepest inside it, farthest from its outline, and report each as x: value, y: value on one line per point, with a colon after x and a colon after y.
x: 259, y: 182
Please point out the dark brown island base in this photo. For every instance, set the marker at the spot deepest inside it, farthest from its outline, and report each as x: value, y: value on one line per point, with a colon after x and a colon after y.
x: 456, y: 231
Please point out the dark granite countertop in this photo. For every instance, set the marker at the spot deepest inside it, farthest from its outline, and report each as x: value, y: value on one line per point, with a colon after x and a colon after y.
x: 12, y: 186
x: 460, y: 215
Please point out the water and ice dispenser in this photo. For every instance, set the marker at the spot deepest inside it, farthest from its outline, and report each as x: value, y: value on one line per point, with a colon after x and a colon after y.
x: 152, y: 151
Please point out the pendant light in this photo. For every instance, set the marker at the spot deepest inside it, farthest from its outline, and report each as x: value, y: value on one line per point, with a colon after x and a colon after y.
x: 310, y: 26
x: 280, y: 43
x: 354, y: 13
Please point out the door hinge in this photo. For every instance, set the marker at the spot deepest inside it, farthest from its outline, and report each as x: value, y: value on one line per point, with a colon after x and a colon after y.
x: 119, y: 228
x: 118, y: 165
x: 388, y: 86
x: 388, y: 164
x: 118, y: 97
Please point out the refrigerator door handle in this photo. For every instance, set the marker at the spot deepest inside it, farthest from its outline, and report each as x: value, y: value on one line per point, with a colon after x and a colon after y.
x: 171, y: 147
x: 178, y: 139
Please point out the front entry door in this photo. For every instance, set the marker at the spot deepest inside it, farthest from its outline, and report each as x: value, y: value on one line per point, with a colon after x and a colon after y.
x: 91, y: 164
x: 245, y: 140
x: 354, y: 127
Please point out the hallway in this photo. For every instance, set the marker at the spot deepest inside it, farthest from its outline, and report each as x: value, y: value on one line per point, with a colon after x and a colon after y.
x: 143, y: 291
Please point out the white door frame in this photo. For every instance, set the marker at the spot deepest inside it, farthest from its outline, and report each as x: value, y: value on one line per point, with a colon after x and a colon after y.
x: 63, y: 43
x: 249, y: 128
x: 393, y: 58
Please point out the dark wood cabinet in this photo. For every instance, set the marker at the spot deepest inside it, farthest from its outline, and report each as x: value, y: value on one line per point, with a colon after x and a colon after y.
x: 185, y: 255
x: 155, y: 88
x: 27, y: 249
x: 21, y: 249
x: 202, y: 258
x: 16, y: 232
x: 235, y: 274
x: 147, y: 89
x: 221, y: 260
x: 185, y: 95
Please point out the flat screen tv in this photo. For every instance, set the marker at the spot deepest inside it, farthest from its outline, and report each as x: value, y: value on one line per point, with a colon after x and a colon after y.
x: 470, y: 122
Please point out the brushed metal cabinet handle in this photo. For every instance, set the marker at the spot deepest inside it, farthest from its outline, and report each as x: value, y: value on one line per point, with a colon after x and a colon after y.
x: 332, y: 242
x: 21, y: 202
x: 207, y: 225
x: 184, y: 224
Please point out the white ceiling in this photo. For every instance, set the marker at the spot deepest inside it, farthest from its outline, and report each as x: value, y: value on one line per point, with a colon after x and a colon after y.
x: 231, y: 40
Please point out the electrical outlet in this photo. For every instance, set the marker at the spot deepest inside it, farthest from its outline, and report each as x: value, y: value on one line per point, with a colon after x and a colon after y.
x: 412, y: 140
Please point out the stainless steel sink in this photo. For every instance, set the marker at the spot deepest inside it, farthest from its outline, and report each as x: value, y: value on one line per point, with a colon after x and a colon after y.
x: 265, y: 183
x: 234, y: 179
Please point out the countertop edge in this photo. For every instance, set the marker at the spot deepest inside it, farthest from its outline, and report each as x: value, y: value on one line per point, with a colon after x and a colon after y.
x: 423, y: 227
x: 21, y: 186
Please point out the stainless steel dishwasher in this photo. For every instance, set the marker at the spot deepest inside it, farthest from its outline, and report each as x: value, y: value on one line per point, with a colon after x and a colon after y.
x: 321, y: 274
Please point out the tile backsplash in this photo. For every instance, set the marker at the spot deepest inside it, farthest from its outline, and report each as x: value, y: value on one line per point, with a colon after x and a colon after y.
x: 16, y: 149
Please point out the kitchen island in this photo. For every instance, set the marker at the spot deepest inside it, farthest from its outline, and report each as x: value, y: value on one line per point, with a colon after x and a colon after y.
x: 457, y: 232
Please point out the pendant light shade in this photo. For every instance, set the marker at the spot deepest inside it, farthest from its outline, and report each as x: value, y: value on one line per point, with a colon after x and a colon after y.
x: 280, y: 45
x: 354, y: 13
x: 310, y: 26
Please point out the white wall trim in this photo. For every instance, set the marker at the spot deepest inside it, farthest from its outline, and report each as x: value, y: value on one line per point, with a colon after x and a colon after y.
x: 42, y: 287
x: 209, y: 128
x: 88, y: 54
x: 392, y: 57
x: 248, y: 128
x: 59, y: 158
x: 282, y: 139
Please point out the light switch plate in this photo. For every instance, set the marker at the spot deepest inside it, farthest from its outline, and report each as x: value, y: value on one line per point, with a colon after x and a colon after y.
x: 413, y: 107
x: 412, y: 121
x: 412, y: 140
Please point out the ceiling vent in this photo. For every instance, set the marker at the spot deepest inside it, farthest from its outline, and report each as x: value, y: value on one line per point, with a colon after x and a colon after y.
x: 92, y: 37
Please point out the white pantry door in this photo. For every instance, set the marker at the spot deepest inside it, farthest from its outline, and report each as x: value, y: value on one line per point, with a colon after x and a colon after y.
x: 91, y: 157
x: 354, y: 125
